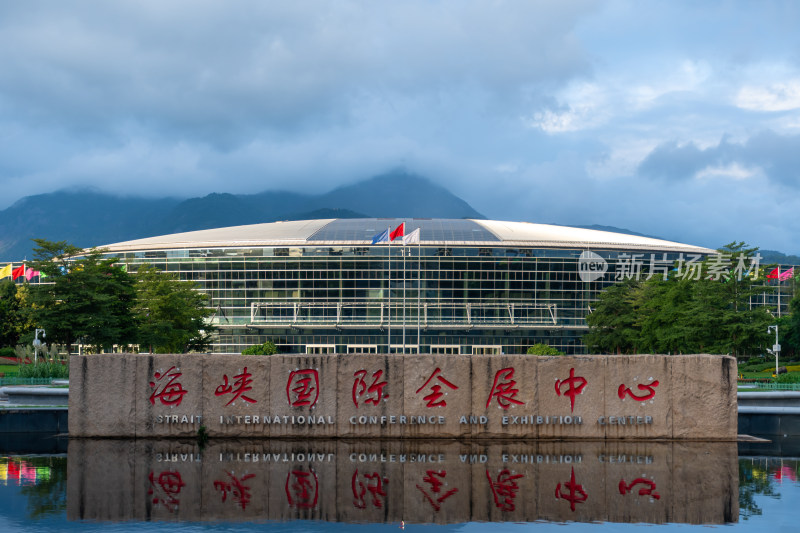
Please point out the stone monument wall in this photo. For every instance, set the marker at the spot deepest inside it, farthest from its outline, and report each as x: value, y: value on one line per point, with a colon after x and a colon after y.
x: 408, y: 396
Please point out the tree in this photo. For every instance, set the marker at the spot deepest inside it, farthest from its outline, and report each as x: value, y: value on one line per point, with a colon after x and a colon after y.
x: 11, y: 316
x: 170, y: 313
x: 613, y: 320
x: 268, y: 348
x: 83, y: 297
x: 682, y: 315
x: 543, y: 349
x: 789, y: 328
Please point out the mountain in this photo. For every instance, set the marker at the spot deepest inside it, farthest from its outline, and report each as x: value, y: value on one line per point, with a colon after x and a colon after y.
x: 399, y: 194
x: 771, y: 256
x: 395, y: 194
x: 83, y: 218
x: 89, y: 218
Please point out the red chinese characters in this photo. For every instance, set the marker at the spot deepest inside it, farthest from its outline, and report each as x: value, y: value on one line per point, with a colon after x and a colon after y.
x: 436, y: 482
x: 302, y: 489
x: 166, y: 388
x: 575, y: 493
x: 504, y: 489
x: 239, y: 387
x: 575, y: 385
x: 373, y: 484
x: 649, y: 391
x: 504, y: 389
x: 372, y: 393
x: 165, y: 489
x: 647, y: 490
x: 433, y: 398
x: 302, y: 388
x: 236, y: 486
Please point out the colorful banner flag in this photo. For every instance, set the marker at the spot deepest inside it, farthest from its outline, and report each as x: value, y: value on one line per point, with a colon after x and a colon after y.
x: 18, y: 272
x: 399, y: 231
x: 774, y: 274
x: 786, y: 275
x: 30, y: 273
x: 5, y: 271
x: 381, y: 237
x: 412, y: 238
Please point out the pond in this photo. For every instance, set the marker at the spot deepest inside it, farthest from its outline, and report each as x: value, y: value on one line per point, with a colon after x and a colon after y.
x: 334, y: 485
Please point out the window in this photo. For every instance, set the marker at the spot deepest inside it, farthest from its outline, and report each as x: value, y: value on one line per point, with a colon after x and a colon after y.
x: 362, y: 348
x: 398, y: 348
x: 446, y: 349
x: 487, y: 350
x: 315, y: 349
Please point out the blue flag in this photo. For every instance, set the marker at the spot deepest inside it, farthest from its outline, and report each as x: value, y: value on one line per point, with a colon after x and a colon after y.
x: 381, y: 237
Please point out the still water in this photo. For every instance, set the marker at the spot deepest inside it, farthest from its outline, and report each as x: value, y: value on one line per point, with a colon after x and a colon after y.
x: 151, y: 485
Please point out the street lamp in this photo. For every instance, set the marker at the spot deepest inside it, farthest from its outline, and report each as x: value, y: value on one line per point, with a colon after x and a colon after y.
x: 776, y: 348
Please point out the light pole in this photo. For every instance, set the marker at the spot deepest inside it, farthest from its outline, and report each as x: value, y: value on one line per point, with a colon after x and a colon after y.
x: 776, y: 348
x: 38, y: 344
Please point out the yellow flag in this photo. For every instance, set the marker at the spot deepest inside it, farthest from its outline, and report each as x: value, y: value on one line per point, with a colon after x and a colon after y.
x: 5, y: 271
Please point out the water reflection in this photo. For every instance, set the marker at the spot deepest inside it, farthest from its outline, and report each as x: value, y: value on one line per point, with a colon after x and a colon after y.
x: 414, y: 481
x: 763, y: 476
x: 42, y: 480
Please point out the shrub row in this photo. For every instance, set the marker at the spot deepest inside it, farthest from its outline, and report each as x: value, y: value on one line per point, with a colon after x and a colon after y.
x: 44, y: 369
x: 790, y: 377
x: 761, y: 367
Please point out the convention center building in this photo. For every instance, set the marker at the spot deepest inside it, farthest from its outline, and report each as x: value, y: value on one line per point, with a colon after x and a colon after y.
x: 454, y: 286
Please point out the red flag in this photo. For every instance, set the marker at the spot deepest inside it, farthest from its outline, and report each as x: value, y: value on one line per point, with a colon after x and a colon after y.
x: 774, y: 274
x: 399, y: 231
x: 786, y: 275
x: 18, y: 272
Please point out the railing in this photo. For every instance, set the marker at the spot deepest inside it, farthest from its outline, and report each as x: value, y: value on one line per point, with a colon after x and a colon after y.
x: 24, y: 381
x: 428, y: 315
x: 766, y: 385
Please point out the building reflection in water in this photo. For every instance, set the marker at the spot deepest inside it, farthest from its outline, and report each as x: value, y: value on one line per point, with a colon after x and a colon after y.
x: 413, y: 481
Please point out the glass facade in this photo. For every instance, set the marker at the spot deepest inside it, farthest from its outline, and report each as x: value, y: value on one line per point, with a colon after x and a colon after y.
x: 482, y: 287
x: 374, y: 299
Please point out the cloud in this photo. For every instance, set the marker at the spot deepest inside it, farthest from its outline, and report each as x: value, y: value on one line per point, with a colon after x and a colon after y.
x: 776, y: 156
x: 775, y: 97
x: 223, y: 73
x: 572, y: 112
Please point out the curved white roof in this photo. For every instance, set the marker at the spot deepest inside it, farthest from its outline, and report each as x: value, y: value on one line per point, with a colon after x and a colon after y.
x: 441, y: 232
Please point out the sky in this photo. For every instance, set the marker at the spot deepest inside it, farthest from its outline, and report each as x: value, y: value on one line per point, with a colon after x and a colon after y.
x: 679, y: 119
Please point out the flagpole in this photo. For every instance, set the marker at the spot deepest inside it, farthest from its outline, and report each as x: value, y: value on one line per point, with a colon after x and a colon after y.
x: 419, y: 291
x: 389, y: 326
x: 404, y: 294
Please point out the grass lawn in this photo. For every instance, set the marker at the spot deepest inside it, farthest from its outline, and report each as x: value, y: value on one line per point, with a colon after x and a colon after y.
x: 758, y: 375
x: 9, y: 369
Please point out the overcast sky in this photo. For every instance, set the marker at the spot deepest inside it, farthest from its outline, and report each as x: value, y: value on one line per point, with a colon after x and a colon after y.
x: 678, y: 119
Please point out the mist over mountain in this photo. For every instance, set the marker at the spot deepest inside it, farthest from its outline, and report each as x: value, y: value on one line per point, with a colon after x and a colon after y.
x: 89, y: 218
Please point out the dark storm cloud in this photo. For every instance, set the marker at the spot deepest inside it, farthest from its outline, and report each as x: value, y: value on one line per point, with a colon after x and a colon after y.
x: 777, y: 156
x: 671, y: 161
x: 503, y: 102
x: 221, y: 72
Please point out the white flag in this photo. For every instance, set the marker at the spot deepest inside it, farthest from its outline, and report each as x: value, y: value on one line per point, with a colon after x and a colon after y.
x: 412, y: 238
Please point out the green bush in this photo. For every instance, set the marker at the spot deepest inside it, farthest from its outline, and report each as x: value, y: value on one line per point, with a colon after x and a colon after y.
x: 789, y: 377
x: 543, y: 349
x: 268, y: 348
x: 754, y: 361
x: 44, y: 369
x: 762, y: 367
x: 7, y: 352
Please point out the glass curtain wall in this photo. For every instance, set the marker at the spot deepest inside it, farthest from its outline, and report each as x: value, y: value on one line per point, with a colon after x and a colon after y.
x: 428, y: 299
